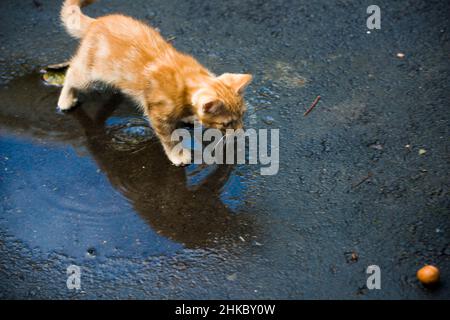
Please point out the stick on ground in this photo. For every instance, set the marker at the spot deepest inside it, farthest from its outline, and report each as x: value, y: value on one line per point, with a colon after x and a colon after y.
x: 171, y: 39
x: 369, y: 175
x: 313, y: 105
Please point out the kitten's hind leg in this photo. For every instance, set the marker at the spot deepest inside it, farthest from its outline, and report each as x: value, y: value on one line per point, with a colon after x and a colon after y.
x: 75, y: 79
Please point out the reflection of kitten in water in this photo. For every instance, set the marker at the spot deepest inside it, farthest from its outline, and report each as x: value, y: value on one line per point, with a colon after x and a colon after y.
x: 158, y: 191
x: 167, y: 84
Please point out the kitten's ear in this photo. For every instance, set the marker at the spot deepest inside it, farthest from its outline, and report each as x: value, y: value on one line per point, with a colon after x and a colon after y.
x: 212, y: 106
x: 236, y: 81
x: 206, y: 102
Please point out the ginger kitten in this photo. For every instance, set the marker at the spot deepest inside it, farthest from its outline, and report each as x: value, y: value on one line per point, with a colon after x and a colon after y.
x: 168, y: 85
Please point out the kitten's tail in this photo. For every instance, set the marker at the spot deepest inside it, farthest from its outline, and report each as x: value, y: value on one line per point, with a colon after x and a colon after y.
x: 75, y: 22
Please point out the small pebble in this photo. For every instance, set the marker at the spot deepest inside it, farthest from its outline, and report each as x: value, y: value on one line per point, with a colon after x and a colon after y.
x: 232, y: 277
x: 268, y: 120
x: 91, y: 253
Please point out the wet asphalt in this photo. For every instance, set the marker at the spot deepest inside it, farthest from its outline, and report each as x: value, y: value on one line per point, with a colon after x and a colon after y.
x: 363, y: 179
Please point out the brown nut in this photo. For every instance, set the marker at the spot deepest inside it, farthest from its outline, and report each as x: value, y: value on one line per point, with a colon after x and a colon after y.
x: 428, y: 275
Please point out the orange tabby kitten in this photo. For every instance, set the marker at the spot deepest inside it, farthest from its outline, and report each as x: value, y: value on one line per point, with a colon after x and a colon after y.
x: 168, y: 85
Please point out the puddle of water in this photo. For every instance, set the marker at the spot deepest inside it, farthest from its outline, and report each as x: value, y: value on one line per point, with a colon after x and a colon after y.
x: 96, y: 182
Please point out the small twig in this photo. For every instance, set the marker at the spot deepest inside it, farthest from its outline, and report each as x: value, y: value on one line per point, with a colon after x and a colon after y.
x: 313, y: 105
x: 369, y: 175
x: 171, y: 39
x: 138, y: 150
x: 257, y: 109
x: 56, y: 67
x: 264, y: 95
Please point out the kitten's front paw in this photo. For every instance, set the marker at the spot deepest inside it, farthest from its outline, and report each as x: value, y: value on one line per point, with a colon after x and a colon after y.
x: 180, y: 157
x: 65, y: 104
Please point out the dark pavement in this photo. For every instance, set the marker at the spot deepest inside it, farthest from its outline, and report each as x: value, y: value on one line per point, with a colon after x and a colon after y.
x: 73, y: 190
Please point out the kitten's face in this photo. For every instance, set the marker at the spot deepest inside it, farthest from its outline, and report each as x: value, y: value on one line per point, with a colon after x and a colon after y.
x: 221, y: 105
x: 224, y: 115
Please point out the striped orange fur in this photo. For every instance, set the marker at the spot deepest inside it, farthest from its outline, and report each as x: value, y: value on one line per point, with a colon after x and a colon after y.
x: 168, y: 85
